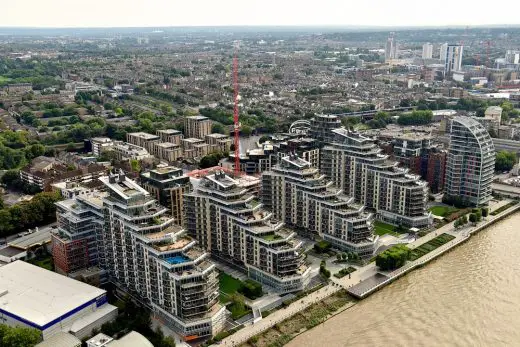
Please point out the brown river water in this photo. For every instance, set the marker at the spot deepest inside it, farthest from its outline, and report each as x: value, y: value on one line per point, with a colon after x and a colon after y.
x: 467, y: 297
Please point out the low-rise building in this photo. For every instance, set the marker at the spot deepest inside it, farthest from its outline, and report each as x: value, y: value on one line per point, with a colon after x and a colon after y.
x: 36, y: 298
x: 100, y: 144
x: 128, y: 151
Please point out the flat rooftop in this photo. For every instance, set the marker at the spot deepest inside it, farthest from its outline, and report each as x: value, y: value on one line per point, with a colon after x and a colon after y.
x: 41, y: 296
x: 39, y: 237
x: 197, y: 117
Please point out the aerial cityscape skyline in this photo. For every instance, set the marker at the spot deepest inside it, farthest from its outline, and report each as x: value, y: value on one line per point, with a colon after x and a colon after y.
x: 241, y: 185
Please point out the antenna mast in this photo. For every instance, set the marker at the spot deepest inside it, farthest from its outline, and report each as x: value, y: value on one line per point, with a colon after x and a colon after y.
x: 235, y: 110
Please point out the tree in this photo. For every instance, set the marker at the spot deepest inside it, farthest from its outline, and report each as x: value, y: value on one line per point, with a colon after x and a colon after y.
x: 264, y: 138
x: 135, y: 165
x: 505, y: 160
x: 338, y: 257
x: 473, y: 218
x: 246, y: 130
x: 485, y: 212
x: 218, y: 128
x: 416, y: 118
x: 344, y: 256
x: 250, y: 289
x: 393, y: 258
x: 18, y: 336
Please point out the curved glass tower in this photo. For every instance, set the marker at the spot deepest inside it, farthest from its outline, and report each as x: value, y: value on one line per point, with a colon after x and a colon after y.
x: 471, y: 162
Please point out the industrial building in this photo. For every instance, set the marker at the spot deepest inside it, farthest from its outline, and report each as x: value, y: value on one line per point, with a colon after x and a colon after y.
x: 227, y: 219
x: 301, y: 197
x: 356, y: 164
x: 51, y: 303
x: 470, y: 165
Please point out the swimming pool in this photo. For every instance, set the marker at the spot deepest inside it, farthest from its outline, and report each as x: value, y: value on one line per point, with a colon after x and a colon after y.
x: 178, y: 259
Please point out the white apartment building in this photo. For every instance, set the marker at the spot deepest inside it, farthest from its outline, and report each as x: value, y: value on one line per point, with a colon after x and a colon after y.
x: 301, y: 197
x: 147, y: 254
x: 356, y: 164
x: 427, y: 51
x: 228, y: 221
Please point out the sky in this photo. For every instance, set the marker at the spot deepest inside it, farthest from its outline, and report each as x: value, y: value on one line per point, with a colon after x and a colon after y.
x: 160, y: 13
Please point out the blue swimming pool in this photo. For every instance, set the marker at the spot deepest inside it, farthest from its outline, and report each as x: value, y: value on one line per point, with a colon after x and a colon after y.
x: 178, y: 259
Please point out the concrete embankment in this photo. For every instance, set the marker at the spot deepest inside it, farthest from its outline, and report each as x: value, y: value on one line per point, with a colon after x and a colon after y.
x: 371, y: 285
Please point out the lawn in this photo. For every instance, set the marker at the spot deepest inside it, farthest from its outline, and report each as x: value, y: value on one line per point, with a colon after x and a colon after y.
x: 45, y: 263
x: 443, y: 211
x: 381, y: 228
x: 4, y: 79
x: 429, y: 246
x: 271, y: 237
x: 228, y: 286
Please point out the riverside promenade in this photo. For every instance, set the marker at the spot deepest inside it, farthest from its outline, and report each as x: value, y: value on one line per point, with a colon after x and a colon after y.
x: 368, y: 279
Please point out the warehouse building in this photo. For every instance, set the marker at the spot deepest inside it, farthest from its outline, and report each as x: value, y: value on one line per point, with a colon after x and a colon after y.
x: 51, y: 303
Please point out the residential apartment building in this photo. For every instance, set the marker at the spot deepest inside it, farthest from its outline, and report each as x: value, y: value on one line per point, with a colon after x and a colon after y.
x: 168, y: 185
x: 357, y: 165
x: 471, y: 162
x: 229, y: 221
x: 143, y: 139
x: 301, y: 197
x: 218, y: 142
x: 146, y: 253
x: 170, y: 135
x: 44, y: 171
x: 427, y: 51
x: 74, y: 241
x: 322, y: 126
x: 167, y: 151
x: 197, y: 126
x: 100, y: 144
x: 453, y: 59
x: 128, y: 151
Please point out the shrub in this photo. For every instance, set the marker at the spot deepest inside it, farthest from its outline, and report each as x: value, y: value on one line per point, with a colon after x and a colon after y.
x: 251, y: 289
x: 393, y: 258
x: 322, y: 247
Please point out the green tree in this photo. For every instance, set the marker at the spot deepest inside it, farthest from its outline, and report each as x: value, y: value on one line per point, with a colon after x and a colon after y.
x: 393, y: 258
x: 338, y: 257
x: 505, y: 160
x: 218, y: 128
x: 246, y: 130
x: 18, y: 336
x: 485, y: 212
x: 473, y: 218
x: 135, y: 165
x: 416, y: 118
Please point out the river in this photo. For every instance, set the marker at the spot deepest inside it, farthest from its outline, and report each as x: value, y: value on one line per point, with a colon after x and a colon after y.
x: 467, y: 297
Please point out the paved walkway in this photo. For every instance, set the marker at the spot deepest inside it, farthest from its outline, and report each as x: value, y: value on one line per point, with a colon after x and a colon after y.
x: 278, y: 316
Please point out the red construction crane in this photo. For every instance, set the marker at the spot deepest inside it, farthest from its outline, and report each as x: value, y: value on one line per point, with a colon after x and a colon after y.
x: 235, y: 110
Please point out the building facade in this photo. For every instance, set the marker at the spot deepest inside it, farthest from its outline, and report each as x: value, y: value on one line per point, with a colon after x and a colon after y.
x: 301, y: 197
x: 74, y: 241
x: 356, y: 164
x: 168, y: 185
x: 197, y: 126
x: 228, y: 221
x: 427, y: 51
x: 470, y: 164
x: 322, y: 126
x: 453, y: 59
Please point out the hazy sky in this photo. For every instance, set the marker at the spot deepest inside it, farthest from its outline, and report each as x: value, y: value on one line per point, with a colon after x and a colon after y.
x: 113, y: 13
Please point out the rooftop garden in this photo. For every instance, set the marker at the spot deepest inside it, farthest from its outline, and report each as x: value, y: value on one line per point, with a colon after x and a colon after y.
x: 271, y: 237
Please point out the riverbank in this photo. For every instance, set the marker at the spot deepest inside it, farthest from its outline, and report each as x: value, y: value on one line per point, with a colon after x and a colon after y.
x: 316, y: 314
x: 381, y: 279
x: 266, y: 325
